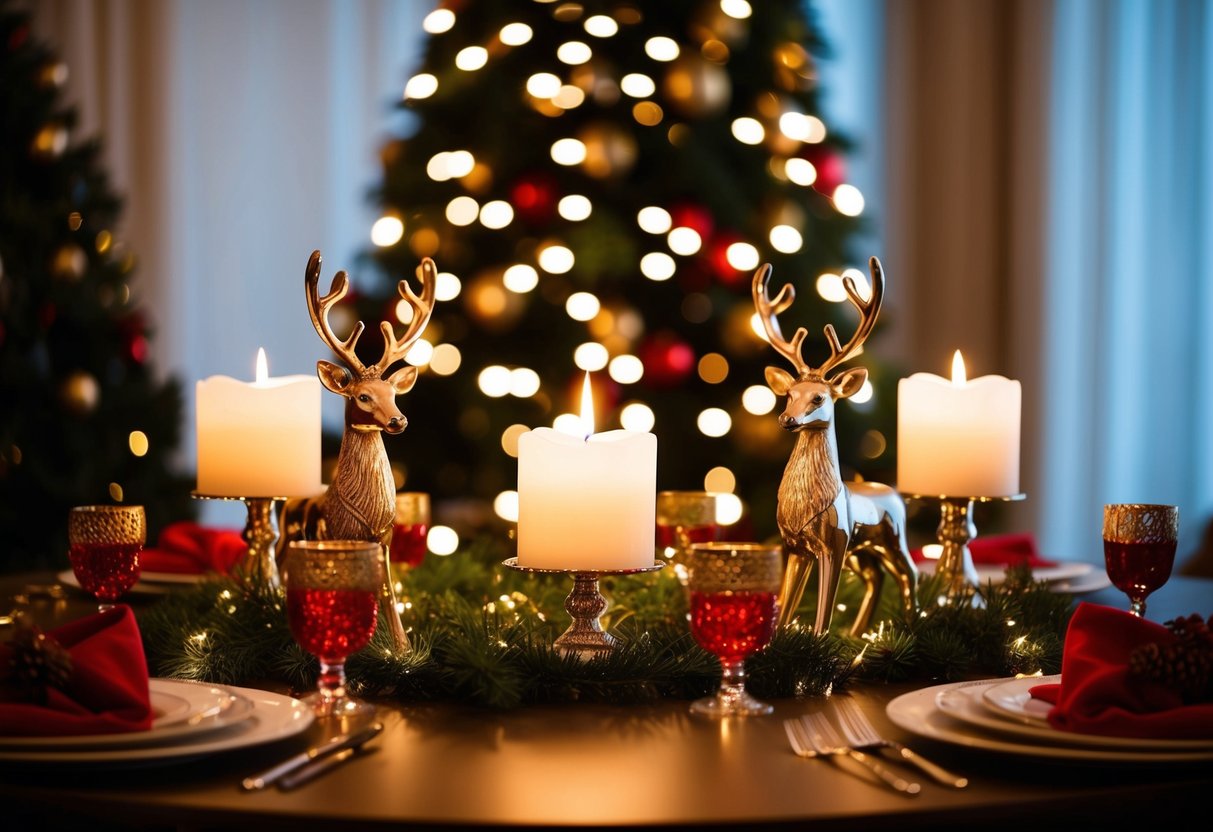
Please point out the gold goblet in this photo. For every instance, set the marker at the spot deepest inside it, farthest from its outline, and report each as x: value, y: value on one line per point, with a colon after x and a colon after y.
x: 104, y: 546
x: 1139, y: 542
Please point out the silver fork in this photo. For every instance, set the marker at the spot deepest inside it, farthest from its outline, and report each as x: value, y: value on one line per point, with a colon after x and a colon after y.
x: 813, y: 736
x: 860, y: 733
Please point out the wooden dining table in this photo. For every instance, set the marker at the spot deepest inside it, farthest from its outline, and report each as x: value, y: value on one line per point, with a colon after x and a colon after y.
x: 596, y: 766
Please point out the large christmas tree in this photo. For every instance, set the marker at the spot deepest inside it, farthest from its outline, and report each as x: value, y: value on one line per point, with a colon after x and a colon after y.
x: 597, y: 182
x: 83, y: 418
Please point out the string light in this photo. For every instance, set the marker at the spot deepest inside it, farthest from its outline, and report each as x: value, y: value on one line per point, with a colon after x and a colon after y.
x: 637, y: 85
x: 459, y: 163
x: 524, y: 382
x: 786, y: 239
x: 437, y: 167
x: 569, y: 423
x: 661, y: 48
x: 494, y: 381
x: 728, y: 509
x: 626, y: 369
x: 720, y: 480
x: 543, y: 85
x: 684, y: 241
x: 738, y: 9
x: 569, y: 97
x: 637, y: 416
x: 447, y: 286
x: 442, y: 540
x: 515, y: 34
x: 800, y: 172
x: 568, y: 152
x: 860, y: 280
x: 848, y: 200
x: 657, y: 265
x: 462, y: 210
x: 520, y: 278
x: 742, y: 256
x: 864, y: 394
x: 420, y: 353
x: 590, y: 356
x: 438, y: 21
x: 748, y: 130
x: 137, y: 442
x: 829, y: 287
x: 446, y: 359
x: 714, y: 422
x: 556, y: 259
x: 654, y: 220
x: 574, y: 53
x: 505, y: 506
x: 496, y: 214
x: 758, y: 399
x: 601, y: 26
x: 574, y: 207
x: 795, y: 126
x: 509, y: 438
x: 582, y: 306
x: 387, y: 231
x: 471, y: 58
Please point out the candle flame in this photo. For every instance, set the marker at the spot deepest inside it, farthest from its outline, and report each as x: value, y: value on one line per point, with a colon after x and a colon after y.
x: 263, y: 370
x: 959, y: 378
x: 587, y: 407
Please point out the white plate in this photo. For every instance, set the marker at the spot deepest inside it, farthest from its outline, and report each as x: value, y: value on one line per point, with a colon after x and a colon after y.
x: 1013, y: 700
x: 997, y: 573
x: 1093, y: 581
x: 918, y: 713
x: 274, y: 717
x: 182, y: 710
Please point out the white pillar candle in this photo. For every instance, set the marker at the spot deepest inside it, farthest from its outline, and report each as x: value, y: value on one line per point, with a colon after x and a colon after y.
x: 958, y: 438
x: 260, y: 439
x: 587, y: 502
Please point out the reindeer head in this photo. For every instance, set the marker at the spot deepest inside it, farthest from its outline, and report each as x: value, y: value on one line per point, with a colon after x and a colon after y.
x: 370, y: 398
x: 811, y: 392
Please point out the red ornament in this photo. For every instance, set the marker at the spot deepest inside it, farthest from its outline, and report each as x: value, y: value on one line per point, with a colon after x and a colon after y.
x: 695, y: 217
x: 134, y: 337
x: 718, y: 260
x: 830, y: 166
x: 534, y: 198
x: 667, y: 359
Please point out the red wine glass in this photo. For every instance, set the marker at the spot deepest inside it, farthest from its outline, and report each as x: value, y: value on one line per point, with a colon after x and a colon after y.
x: 104, y: 546
x: 733, y: 589
x: 332, y: 606
x: 409, y: 529
x: 1139, y: 542
x: 684, y: 518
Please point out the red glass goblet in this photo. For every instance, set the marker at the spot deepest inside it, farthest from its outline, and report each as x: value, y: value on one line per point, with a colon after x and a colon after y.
x: 1139, y: 542
x: 104, y: 546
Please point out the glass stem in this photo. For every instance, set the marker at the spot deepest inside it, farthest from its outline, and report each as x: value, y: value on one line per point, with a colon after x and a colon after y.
x: 331, y: 683
x: 104, y: 607
x: 732, y: 682
x: 1137, y: 606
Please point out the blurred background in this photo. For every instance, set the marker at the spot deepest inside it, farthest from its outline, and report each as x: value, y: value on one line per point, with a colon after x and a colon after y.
x: 1032, y: 174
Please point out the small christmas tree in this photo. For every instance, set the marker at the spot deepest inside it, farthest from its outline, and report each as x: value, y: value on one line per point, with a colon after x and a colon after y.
x: 598, y: 183
x: 82, y: 417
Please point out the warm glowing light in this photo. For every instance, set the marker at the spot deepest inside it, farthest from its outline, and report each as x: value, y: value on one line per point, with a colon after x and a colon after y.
x: 568, y: 152
x: 637, y: 85
x: 654, y: 220
x: 661, y: 48
x: 137, y: 442
x: 462, y: 210
x: 817, y: 130
x: 757, y: 327
x: 582, y: 306
x: 829, y: 286
x: 657, y: 265
x: 574, y: 52
x: 556, y: 259
x: 263, y: 367
x: 515, y: 34
x: 459, y: 163
x: 447, y: 286
x: 637, y: 416
x: 720, y: 480
x: 800, y: 172
x: 684, y: 240
x: 786, y: 239
x: 569, y: 423
x: 524, y: 382
x: 795, y: 126
x: 864, y: 394
x: 713, y: 368
x: 932, y: 551
x: 505, y: 505
x: 626, y: 369
x: 848, y: 200
x: 601, y: 26
x: 758, y: 399
x: 569, y: 97
x: 543, y: 85
x: 738, y: 9
x: 438, y: 21
x: 959, y: 376
x: 437, y: 167
x: 590, y: 356
x: 742, y: 256
x: 494, y: 381
x: 387, y: 231
x: 421, y: 86
x: 520, y: 278
x: 714, y: 422
x: 471, y: 58
x: 860, y: 280
x: 587, y: 406
x: 442, y: 540
x: 496, y: 214
x: 420, y: 353
x: 728, y: 509
x: 575, y: 207
x: 446, y: 359
x: 748, y: 130
x: 509, y: 438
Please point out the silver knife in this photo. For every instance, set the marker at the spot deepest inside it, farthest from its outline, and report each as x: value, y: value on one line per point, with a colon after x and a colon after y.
x: 332, y: 746
x: 318, y: 767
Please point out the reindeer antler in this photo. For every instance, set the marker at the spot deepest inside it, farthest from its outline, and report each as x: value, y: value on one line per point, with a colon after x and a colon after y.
x: 318, y: 307
x: 868, y: 310
x: 422, y: 306
x: 768, y: 309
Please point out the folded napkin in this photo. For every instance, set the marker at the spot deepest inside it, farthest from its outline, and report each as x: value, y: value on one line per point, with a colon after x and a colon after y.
x: 187, y: 548
x: 1002, y: 550
x: 106, y: 691
x: 1098, y: 694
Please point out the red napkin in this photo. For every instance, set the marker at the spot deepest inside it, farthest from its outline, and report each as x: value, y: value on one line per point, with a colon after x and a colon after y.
x: 1097, y: 695
x: 107, y: 692
x: 1002, y: 550
x: 187, y: 548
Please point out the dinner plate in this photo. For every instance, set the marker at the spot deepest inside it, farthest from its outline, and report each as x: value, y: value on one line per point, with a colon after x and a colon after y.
x: 1013, y: 699
x: 997, y: 573
x: 918, y: 713
x: 182, y: 710
x: 274, y: 717
x: 141, y: 587
x: 1093, y: 581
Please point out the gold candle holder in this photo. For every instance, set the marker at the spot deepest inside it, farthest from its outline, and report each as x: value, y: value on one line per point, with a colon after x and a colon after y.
x: 585, y: 637
x: 956, y: 529
x: 259, y: 567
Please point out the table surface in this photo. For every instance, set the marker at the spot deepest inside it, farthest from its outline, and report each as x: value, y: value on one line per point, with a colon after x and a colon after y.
x: 601, y: 766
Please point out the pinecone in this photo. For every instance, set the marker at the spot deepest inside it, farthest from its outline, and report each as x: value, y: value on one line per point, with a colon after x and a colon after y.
x: 38, y: 663
x: 1186, y: 666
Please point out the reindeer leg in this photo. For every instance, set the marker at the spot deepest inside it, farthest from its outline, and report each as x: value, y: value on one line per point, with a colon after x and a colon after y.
x: 828, y: 577
x: 866, y: 564
x: 387, y: 600
x: 795, y: 579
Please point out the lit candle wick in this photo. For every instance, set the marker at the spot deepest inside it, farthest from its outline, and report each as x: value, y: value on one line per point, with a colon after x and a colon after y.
x: 959, y: 378
x: 263, y: 370
x: 587, y: 408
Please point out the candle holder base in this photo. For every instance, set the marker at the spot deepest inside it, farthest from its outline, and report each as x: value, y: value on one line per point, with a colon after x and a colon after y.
x: 259, y: 567
x: 585, y: 638
x: 956, y: 529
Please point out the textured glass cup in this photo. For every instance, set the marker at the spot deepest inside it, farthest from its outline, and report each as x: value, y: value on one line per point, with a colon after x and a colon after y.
x: 733, y: 589
x: 409, y: 528
x: 332, y: 605
x: 1139, y: 542
x: 684, y: 518
x: 104, y: 545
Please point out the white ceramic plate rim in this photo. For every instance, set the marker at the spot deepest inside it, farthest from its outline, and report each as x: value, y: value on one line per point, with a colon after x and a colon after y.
x: 187, y: 700
x: 274, y: 717
x: 997, y: 573
x: 1014, y: 700
x: 917, y: 713
x: 1095, y: 580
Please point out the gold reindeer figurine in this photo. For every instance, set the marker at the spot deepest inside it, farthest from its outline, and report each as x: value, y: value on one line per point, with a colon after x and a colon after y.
x: 360, y: 503
x: 821, y: 518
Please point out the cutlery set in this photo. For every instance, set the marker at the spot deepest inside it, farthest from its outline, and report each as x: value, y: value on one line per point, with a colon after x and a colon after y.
x: 813, y: 735
x: 308, y: 765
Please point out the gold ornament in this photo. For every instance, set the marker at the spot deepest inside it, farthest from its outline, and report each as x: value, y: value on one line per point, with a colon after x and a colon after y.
x: 53, y: 75
x: 610, y: 151
x: 49, y: 142
x: 80, y: 392
x: 69, y: 263
x: 697, y: 88
x: 821, y: 518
